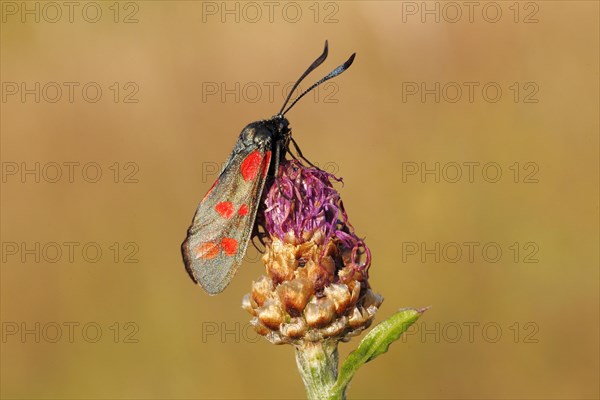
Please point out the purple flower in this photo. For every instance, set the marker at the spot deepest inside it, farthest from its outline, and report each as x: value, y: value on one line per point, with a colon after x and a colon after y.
x: 302, y: 205
x: 316, y: 285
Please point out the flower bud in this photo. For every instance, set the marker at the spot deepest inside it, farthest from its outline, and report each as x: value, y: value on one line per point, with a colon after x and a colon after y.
x: 317, y: 285
x: 271, y: 314
x: 295, y: 294
x: 319, y: 313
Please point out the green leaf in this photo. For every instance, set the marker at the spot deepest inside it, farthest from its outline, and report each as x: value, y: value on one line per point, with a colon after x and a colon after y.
x: 375, y: 343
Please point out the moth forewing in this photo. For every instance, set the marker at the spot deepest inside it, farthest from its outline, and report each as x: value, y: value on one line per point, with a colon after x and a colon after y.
x: 218, y: 237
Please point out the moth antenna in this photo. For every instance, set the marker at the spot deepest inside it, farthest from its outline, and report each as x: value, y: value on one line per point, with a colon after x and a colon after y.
x: 312, y: 67
x: 332, y: 74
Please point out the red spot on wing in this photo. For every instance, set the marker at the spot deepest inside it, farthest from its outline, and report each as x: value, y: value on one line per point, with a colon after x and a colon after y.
x: 207, y: 250
x: 243, y: 210
x: 265, y: 167
x: 225, y: 208
x: 249, y: 167
x: 229, y: 246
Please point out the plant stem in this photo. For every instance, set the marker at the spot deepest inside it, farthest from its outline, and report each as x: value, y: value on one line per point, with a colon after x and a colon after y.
x: 318, y: 365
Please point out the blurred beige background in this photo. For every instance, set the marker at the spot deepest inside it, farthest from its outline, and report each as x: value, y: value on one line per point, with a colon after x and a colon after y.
x: 504, y: 329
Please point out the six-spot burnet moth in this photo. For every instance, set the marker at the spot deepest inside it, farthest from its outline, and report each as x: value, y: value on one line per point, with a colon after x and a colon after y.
x: 224, y: 221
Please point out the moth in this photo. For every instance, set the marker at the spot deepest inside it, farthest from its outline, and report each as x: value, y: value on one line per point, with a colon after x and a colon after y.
x: 224, y: 220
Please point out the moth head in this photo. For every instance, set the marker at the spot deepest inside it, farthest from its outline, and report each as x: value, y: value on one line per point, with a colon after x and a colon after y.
x: 280, y: 125
x: 264, y: 133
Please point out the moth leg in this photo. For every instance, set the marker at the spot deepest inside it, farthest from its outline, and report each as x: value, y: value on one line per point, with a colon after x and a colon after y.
x: 288, y: 151
x: 302, y: 155
x: 276, y: 165
x: 260, y: 239
x: 293, y: 155
x: 260, y: 234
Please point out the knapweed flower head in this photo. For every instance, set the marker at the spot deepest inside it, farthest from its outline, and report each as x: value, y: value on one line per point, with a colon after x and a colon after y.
x: 317, y: 285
